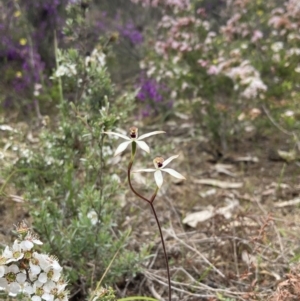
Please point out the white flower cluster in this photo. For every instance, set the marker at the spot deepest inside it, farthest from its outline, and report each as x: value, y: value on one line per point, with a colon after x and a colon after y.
x: 25, y: 271
x: 66, y: 70
x: 96, y: 60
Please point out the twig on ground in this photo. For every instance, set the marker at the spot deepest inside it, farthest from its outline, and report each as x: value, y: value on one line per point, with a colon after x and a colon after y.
x: 197, y: 252
x: 154, y: 293
x: 149, y: 267
x: 200, y: 287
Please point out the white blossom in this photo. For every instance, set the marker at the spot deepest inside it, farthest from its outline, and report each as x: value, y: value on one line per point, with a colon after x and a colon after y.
x: 39, y: 276
x: 277, y: 46
x: 160, y: 165
x: 93, y: 216
x: 133, y: 138
x: 10, y: 280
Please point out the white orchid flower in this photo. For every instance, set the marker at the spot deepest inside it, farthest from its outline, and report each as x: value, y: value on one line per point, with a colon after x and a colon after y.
x: 133, y: 138
x: 160, y: 165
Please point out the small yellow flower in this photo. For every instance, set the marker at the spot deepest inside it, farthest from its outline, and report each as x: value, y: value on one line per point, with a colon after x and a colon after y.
x: 19, y: 74
x: 17, y: 14
x: 23, y: 41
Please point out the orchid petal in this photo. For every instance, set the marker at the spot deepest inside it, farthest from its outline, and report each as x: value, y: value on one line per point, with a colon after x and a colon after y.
x: 150, y: 134
x: 122, y: 147
x: 143, y: 145
x: 145, y: 170
x: 158, y: 178
x: 174, y: 173
x: 117, y: 134
x: 166, y: 162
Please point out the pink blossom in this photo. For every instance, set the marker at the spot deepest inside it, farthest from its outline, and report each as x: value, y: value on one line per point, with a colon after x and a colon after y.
x: 202, y: 63
x: 257, y: 35
x: 212, y: 70
x: 293, y: 8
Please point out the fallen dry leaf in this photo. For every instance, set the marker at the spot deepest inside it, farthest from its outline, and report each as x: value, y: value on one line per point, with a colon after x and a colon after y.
x: 246, y: 159
x: 194, y: 218
x: 197, y: 217
x: 223, y: 168
x: 227, y: 210
x: 220, y: 184
x: 279, y: 185
x: 287, y: 203
x: 208, y: 193
x: 16, y: 198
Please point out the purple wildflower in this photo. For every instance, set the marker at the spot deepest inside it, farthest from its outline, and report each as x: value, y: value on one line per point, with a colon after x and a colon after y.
x: 152, y: 94
x: 149, y: 90
x: 131, y: 32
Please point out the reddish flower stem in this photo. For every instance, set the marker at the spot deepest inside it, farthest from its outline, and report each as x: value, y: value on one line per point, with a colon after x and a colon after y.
x: 164, y: 248
x: 150, y: 202
x: 129, y: 181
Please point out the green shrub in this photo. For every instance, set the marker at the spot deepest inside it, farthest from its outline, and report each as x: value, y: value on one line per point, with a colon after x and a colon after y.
x: 72, y: 198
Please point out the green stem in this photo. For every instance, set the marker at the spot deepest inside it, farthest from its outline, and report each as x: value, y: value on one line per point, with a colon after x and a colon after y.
x: 60, y: 89
x: 133, y: 150
x: 137, y: 298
